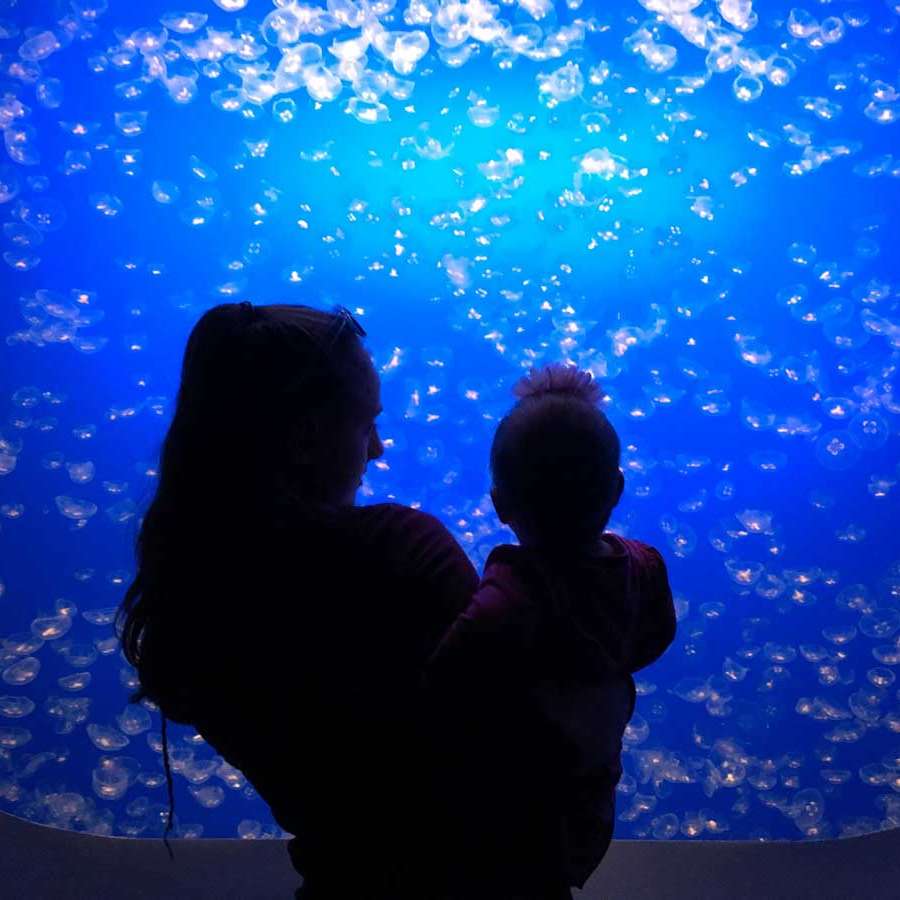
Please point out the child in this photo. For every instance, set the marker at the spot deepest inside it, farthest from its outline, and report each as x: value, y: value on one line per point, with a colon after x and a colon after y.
x: 531, y: 689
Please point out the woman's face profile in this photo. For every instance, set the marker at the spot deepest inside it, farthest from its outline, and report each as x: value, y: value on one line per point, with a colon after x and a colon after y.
x: 363, y: 442
x: 339, y: 448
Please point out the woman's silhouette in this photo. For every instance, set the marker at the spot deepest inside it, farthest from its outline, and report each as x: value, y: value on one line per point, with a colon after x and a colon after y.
x: 287, y: 625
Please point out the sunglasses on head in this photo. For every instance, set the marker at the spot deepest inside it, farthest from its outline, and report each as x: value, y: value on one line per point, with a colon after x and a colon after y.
x: 344, y: 318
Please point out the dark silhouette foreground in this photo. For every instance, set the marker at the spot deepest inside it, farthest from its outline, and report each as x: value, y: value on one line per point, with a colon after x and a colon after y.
x: 292, y: 628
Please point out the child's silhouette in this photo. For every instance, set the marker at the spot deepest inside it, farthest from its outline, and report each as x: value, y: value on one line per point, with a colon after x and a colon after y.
x: 531, y: 688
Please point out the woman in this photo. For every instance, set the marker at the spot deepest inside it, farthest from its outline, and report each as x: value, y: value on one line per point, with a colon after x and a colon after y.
x: 287, y: 625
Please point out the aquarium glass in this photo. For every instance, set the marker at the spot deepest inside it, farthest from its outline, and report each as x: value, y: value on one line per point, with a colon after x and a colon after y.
x: 697, y: 201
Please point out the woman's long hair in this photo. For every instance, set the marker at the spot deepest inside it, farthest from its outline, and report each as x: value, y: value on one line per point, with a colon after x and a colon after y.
x: 254, y: 381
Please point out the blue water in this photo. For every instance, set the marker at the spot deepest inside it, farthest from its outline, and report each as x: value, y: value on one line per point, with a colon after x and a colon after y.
x: 696, y: 201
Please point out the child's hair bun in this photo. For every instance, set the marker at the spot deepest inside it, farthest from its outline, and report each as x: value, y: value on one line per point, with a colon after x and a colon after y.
x: 557, y: 378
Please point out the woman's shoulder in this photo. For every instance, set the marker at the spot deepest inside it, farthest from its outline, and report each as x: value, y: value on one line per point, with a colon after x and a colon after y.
x: 414, y: 542
x: 402, y: 532
x: 393, y: 517
x: 375, y: 517
x: 391, y: 531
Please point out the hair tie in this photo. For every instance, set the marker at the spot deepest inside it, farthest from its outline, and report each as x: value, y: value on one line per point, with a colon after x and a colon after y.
x: 248, y: 313
x: 557, y: 378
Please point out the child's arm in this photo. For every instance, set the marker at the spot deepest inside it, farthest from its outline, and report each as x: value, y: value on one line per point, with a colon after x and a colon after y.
x: 658, y: 614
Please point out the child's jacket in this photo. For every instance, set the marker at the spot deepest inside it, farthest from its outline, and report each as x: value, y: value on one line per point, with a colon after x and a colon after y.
x: 532, y: 686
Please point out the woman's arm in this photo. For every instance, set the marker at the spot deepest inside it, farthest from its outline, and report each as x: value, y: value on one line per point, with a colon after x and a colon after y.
x: 432, y: 568
x: 484, y: 647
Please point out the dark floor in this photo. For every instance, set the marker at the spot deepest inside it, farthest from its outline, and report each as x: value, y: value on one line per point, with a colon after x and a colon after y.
x: 41, y: 862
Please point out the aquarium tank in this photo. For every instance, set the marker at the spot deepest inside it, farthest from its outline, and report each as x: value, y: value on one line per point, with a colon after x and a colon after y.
x: 696, y: 200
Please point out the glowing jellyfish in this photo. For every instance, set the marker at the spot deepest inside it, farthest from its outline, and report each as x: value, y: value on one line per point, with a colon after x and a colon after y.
x: 562, y: 85
x: 9, y: 183
x: 50, y: 628
x: 866, y: 248
x: 664, y: 827
x: 16, y: 707
x: 881, y: 677
x: 107, y: 205
x: 802, y: 24
x: 831, y: 29
x: 367, y: 113
x: 208, y: 796
x: 165, y: 192
x: 22, y: 672
x: 747, y: 88
x: 770, y: 587
x: 712, y: 610
x: 596, y: 165
x: 838, y: 408
x: 78, y: 681
x: 406, y: 51
x: 39, y: 47
x: 837, y: 451
x: 249, y: 828
x: 134, y: 720
x: 73, y: 508
x: 856, y: 596
x: 49, y: 92
x: 43, y: 213
x: 780, y: 70
x: 21, y: 144
x: 880, y: 623
x: 78, y: 655
x: 184, y: 22
x: 683, y: 541
x: 12, y: 737
x: 483, y: 116
x: 81, y: 473
x: 281, y: 27
x: 869, y: 429
x: 807, y: 808
x: 75, y: 162
x: 113, y: 776
x: 779, y: 653
x: 744, y: 573
x: 228, y: 99
x: 637, y: 730
x: 131, y: 124
x: 104, y: 738
x: 887, y: 654
x: 865, y: 705
x: 840, y: 635
x: 846, y: 334
x: 284, y: 110
x: 882, y: 113
x: 182, y: 88
x: 322, y: 84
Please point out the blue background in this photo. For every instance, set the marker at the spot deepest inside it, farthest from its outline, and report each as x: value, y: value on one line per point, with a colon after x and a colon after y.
x: 708, y: 753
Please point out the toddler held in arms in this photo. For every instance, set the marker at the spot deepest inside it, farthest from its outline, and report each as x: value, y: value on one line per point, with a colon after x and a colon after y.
x: 531, y: 688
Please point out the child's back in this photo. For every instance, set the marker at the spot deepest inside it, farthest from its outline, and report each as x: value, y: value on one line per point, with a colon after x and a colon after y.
x: 534, y: 688
x: 611, y: 616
